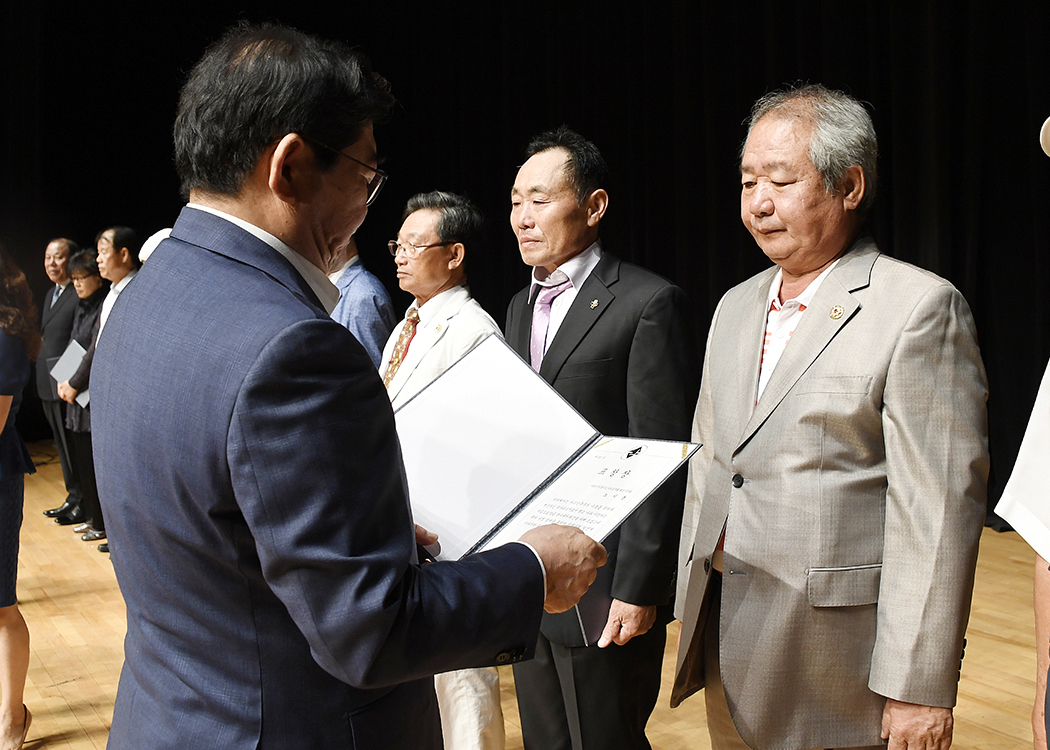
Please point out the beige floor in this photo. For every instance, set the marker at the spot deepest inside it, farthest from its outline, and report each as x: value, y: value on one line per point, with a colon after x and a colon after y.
x: 76, y: 618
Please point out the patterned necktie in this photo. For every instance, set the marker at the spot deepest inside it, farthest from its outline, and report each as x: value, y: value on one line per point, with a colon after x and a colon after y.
x: 407, y: 332
x: 541, y: 320
x: 54, y: 297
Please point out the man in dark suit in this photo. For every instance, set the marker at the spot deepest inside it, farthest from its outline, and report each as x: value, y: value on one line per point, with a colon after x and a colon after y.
x: 611, y: 338
x: 58, y: 305
x: 246, y: 451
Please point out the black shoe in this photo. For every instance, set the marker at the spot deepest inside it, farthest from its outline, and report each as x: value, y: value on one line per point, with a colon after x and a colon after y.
x: 61, y: 509
x: 76, y: 515
x: 104, y: 547
x: 94, y: 535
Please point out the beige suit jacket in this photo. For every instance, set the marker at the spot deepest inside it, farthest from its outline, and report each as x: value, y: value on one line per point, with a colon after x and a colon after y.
x: 852, y: 497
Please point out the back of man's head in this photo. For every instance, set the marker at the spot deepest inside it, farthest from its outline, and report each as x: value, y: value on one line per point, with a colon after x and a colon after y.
x: 842, y: 134
x: 256, y: 85
x: 585, y: 168
x: 460, y: 219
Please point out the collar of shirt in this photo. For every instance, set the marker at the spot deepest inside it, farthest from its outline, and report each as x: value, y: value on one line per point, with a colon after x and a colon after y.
x: 119, y: 286
x: 336, y: 275
x: 429, y: 310
x: 316, y: 278
x: 576, y: 269
x: 803, y: 299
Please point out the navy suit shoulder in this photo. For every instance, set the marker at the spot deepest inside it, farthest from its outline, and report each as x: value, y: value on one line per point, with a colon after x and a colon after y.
x: 261, y: 532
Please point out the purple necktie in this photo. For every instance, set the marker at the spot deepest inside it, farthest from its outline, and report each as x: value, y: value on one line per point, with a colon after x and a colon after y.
x: 541, y: 319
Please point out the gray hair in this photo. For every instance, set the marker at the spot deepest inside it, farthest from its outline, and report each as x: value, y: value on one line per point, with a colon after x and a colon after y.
x: 842, y: 133
x: 460, y: 219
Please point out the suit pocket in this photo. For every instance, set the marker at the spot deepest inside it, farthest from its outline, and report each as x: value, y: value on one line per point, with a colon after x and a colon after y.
x: 851, y: 586
x: 858, y: 384
x: 592, y: 368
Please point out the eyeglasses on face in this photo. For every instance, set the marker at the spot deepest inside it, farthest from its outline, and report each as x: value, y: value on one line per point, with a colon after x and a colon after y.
x: 374, y: 183
x: 411, y: 251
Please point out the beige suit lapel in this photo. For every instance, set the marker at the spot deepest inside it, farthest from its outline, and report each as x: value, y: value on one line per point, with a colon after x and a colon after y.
x: 832, y: 308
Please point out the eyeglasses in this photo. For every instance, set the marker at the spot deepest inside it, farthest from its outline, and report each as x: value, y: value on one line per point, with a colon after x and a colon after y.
x: 411, y: 251
x: 378, y: 176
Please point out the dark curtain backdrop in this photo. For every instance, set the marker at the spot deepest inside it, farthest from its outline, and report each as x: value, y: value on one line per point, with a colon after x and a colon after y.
x: 957, y: 90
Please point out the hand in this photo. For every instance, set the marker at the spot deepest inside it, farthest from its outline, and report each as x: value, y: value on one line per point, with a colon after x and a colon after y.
x: 424, y: 537
x: 909, y: 726
x: 66, y: 392
x: 625, y: 622
x: 571, y: 559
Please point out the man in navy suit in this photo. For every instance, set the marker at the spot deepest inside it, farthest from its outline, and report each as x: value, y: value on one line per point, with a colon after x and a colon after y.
x: 612, y: 340
x: 246, y: 451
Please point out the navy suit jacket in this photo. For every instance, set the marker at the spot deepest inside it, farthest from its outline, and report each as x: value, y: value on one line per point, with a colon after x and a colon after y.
x: 256, y: 507
x: 624, y: 359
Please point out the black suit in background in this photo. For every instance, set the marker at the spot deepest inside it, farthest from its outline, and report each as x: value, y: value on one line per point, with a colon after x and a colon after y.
x: 623, y: 358
x: 56, y: 322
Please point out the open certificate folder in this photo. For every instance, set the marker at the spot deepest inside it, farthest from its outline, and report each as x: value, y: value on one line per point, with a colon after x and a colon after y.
x: 492, y: 450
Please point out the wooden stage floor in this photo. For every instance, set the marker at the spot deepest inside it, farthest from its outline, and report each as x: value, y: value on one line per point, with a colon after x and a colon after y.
x: 75, y: 613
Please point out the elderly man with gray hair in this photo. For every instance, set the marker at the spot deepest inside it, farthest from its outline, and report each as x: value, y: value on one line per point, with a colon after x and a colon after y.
x: 833, y: 516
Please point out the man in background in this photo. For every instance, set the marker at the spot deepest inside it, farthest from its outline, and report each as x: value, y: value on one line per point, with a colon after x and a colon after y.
x: 364, y: 306
x: 443, y: 322
x: 56, y: 321
x: 611, y: 338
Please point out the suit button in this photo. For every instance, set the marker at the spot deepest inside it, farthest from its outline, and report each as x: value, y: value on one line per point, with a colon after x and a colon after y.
x: 503, y: 658
x: 738, y: 481
x: 707, y: 564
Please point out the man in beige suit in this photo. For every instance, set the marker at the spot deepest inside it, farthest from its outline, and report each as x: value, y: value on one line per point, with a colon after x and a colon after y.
x: 833, y: 515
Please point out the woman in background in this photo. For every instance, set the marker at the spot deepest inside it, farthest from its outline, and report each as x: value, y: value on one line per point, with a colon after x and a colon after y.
x: 19, y: 344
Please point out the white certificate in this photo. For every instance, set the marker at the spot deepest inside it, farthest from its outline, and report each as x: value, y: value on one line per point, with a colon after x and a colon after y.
x: 66, y: 367
x: 491, y: 450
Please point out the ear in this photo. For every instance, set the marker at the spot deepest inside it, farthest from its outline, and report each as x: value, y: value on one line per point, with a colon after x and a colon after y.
x: 289, y: 168
x: 125, y: 256
x: 852, y: 187
x: 596, y: 204
x: 458, y: 253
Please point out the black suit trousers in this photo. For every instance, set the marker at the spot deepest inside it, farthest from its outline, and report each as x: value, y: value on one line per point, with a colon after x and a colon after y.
x: 56, y: 417
x: 621, y: 683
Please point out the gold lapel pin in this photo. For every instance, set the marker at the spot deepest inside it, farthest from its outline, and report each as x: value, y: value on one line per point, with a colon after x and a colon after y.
x: 836, y: 312
x: 594, y: 303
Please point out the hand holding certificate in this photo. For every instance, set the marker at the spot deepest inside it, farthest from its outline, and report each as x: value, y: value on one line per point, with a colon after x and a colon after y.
x: 570, y: 559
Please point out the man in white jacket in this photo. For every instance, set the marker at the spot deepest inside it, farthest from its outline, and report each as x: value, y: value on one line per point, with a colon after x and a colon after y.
x: 442, y: 324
